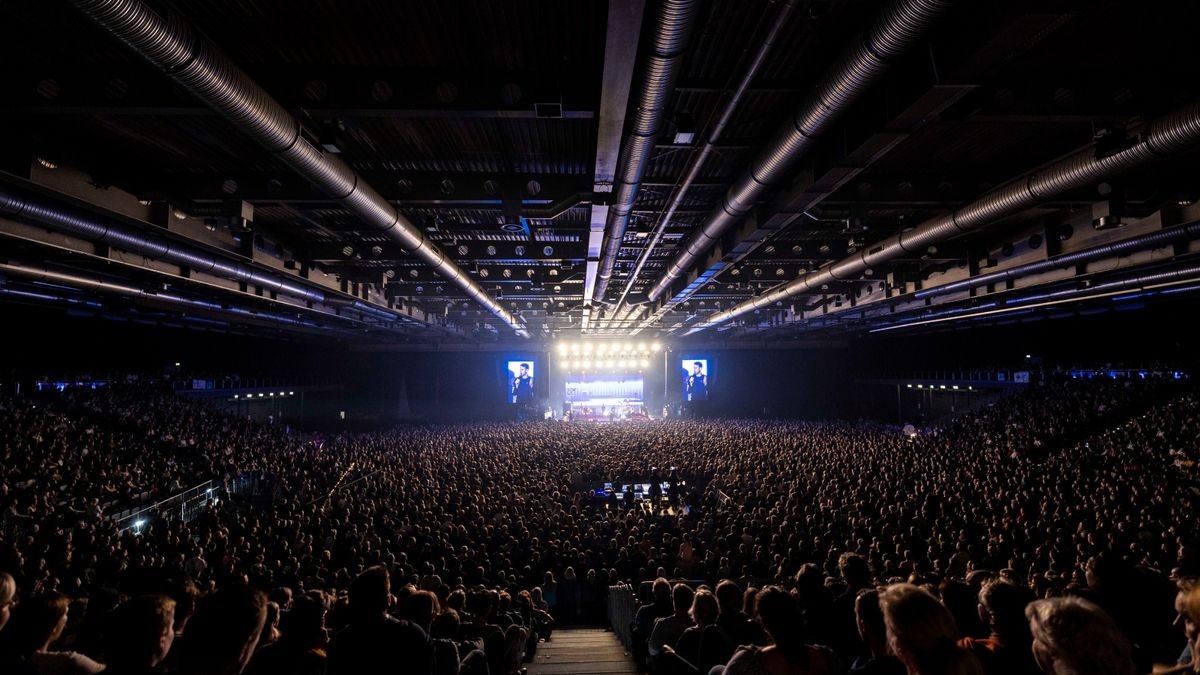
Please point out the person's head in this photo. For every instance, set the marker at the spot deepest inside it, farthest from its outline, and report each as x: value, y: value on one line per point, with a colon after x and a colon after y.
x: 370, y: 593
x: 445, y: 625
x: 224, y: 631
x: 8, y: 597
x: 704, y: 608
x: 1190, y: 609
x: 1072, y: 636
x: 420, y: 607
x: 681, y: 597
x: 304, y: 625
x: 854, y: 570
x: 661, y: 591
x: 922, y: 633
x: 869, y: 617
x: 1002, y: 609
x: 697, y: 368
x: 37, y: 623
x: 270, y: 631
x: 139, y: 632
x: 782, y: 619
x: 524, y: 369
x: 282, y: 596
x: 729, y: 596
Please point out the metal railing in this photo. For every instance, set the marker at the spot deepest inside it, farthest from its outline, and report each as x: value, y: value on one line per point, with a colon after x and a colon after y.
x: 224, y: 382
x: 182, y: 506
x: 622, y: 607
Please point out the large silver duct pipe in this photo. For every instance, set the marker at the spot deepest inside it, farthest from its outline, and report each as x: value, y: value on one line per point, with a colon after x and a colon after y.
x: 105, y: 286
x: 894, y: 32
x: 126, y: 238
x: 1148, y: 281
x: 1166, y: 136
x: 130, y: 239
x: 673, y: 27
x: 197, y: 65
x: 697, y: 162
x: 1143, y: 242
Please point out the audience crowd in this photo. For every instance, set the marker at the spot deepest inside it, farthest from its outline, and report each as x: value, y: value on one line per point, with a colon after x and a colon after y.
x: 1051, y: 532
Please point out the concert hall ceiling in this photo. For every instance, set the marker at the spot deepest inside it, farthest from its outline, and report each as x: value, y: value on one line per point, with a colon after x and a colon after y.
x: 470, y: 171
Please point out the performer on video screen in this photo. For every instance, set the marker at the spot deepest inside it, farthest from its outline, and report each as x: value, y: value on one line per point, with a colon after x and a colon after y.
x: 522, y: 386
x: 697, y: 383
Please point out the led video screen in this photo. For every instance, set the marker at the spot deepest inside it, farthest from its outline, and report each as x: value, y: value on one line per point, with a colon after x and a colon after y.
x: 604, y: 389
x: 520, y: 381
x: 695, y: 379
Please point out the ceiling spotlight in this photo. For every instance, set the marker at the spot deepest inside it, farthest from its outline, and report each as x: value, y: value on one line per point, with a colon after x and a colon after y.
x: 506, y: 273
x: 491, y: 250
x: 519, y: 250
x: 483, y: 272
x: 548, y: 251
x: 49, y: 164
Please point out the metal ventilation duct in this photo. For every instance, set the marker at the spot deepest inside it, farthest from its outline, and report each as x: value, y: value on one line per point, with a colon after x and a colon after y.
x: 779, y: 21
x: 1143, y: 242
x: 673, y: 27
x: 1158, y: 280
x: 195, y: 64
x: 131, y: 239
x: 894, y: 32
x: 104, y: 285
x: 1165, y: 136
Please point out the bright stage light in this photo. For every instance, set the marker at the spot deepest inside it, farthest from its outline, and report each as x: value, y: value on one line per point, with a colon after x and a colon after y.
x: 641, y: 346
x: 645, y: 363
x: 587, y: 348
x: 562, y: 349
x: 656, y: 347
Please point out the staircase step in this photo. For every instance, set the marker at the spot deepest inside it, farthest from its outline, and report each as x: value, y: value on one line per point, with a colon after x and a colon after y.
x: 582, y: 651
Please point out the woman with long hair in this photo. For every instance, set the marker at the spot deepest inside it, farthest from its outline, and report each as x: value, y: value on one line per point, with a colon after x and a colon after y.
x: 788, y: 653
x: 36, y: 625
x: 922, y: 633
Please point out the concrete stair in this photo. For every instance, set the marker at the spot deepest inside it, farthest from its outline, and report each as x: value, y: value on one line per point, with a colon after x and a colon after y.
x: 582, y: 651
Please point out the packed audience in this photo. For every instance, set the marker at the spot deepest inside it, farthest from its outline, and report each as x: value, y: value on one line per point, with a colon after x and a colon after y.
x: 1052, y: 532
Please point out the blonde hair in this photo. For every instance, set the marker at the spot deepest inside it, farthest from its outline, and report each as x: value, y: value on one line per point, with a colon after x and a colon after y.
x: 704, y: 608
x: 1079, y: 638
x: 922, y: 633
x: 8, y: 588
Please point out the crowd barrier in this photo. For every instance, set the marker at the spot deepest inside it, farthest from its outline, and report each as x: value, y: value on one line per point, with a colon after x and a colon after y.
x: 182, y: 506
x: 622, y: 607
